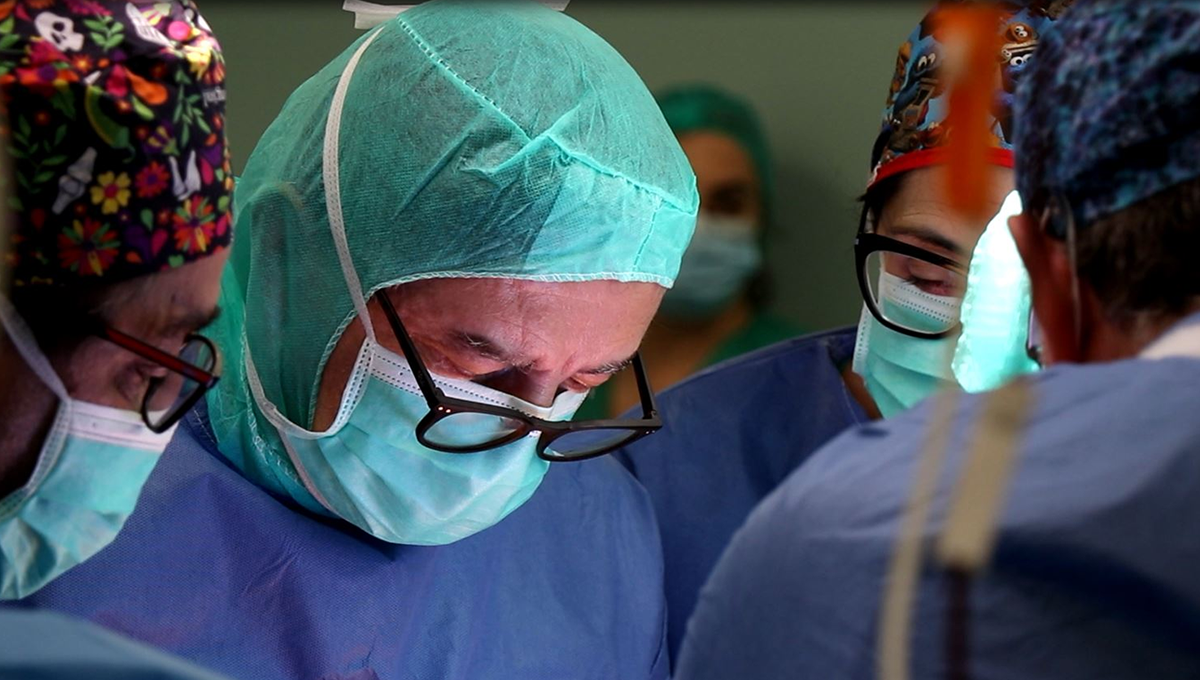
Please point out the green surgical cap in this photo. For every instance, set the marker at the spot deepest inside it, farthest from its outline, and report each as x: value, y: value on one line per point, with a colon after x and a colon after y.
x: 703, y: 107
x: 476, y: 139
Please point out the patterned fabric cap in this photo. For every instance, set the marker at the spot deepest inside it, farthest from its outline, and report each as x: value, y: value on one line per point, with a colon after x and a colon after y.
x: 1111, y: 114
x: 914, y: 132
x: 115, y: 124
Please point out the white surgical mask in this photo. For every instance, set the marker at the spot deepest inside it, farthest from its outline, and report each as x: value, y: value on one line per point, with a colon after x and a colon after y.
x: 89, y: 473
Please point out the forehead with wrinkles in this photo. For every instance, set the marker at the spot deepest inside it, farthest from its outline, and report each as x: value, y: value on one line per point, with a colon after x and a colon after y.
x: 532, y: 321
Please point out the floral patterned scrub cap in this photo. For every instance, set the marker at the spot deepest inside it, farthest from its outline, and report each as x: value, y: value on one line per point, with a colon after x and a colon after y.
x: 115, y: 126
x: 1112, y: 116
x: 914, y: 133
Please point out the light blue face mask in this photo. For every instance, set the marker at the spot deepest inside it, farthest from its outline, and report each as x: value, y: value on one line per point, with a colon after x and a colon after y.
x: 723, y: 255
x: 900, y: 370
x: 88, y: 476
x: 369, y: 469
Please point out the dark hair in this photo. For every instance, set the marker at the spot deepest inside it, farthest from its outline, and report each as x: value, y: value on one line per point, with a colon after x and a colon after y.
x: 878, y: 195
x: 1140, y: 261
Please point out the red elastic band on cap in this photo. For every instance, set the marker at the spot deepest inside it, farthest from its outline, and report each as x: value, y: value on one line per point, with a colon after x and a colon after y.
x: 927, y: 157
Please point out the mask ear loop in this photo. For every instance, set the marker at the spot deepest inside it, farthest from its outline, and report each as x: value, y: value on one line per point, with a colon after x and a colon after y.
x: 333, y: 189
x: 337, y: 228
x: 23, y: 339
x: 25, y: 342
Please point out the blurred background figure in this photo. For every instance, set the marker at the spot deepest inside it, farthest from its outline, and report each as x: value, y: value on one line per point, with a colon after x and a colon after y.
x: 717, y: 308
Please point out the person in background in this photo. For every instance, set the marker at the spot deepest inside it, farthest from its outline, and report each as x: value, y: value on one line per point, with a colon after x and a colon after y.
x: 118, y: 202
x: 737, y: 431
x: 446, y: 237
x: 1091, y: 571
x: 717, y: 308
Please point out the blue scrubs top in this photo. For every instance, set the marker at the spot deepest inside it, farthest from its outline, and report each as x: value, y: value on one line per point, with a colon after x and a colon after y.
x: 48, y: 646
x: 212, y: 568
x: 1094, y: 575
x: 731, y: 434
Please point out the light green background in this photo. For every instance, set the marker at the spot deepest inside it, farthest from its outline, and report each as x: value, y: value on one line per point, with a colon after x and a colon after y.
x: 818, y: 72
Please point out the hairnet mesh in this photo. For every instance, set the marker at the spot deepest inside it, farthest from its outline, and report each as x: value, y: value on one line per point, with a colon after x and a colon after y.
x: 477, y: 140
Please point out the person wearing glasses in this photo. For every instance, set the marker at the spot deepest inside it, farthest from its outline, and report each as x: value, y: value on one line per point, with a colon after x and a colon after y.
x: 737, y: 431
x: 1055, y: 535
x: 447, y: 236
x: 116, y: 194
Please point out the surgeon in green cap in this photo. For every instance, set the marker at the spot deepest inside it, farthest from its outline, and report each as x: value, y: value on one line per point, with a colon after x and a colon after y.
x: 717, y: 308
x: 447, y: 237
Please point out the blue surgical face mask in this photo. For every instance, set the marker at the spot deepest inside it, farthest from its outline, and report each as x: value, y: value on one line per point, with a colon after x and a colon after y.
x: 86, y: 482
x: 369, y: 469
x: 723, y: 255
x: 900, y: 370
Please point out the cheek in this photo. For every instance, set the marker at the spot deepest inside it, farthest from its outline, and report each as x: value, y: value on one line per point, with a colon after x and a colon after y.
x: 100, y: 375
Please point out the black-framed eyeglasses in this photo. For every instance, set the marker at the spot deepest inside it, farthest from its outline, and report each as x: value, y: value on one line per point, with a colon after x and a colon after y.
x: 881, y: 262
x: 568, y: 441
x: 192, y: 372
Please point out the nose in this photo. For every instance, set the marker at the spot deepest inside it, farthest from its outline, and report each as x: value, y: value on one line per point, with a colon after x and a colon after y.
x: 535, y: 388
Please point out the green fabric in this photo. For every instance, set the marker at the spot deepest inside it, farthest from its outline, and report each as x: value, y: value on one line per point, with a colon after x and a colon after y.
x: 703, y: 107
x: 498, y: 139
x: 763, y: 330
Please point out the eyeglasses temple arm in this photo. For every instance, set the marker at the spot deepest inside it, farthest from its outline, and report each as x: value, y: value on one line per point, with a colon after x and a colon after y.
x: 424, y: 379
x: 165, y: 359
x: 644, y: 389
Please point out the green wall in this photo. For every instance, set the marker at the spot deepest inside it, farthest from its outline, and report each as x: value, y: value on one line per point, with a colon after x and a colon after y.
x: 817, y: 71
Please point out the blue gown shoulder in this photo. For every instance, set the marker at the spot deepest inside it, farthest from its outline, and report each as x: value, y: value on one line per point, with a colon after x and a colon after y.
x: 216, y: 570
x: 731, y: 434
x: 1083, y: 582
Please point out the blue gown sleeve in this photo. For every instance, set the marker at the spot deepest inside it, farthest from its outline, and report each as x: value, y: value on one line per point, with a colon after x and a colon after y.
x: 41, y: 645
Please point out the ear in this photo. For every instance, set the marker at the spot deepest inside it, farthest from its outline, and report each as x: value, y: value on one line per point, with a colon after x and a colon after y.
x: 1049, y: 269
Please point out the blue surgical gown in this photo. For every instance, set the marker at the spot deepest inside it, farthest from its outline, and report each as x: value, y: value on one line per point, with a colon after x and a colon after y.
x: 42, y: 645
x: 1094, y: 574
x: 213, y: 569
x: 732, y: 433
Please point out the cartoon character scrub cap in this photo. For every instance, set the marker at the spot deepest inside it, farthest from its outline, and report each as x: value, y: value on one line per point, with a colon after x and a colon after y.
x: 914, y: 133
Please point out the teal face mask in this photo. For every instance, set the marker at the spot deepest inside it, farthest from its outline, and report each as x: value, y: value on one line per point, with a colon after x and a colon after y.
x: 369, y: 469
x: 723, y: 255
x: 900, y: 370
x: 88, y: 476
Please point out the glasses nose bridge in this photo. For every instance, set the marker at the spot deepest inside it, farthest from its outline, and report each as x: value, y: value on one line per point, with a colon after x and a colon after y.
x: 537, y: 388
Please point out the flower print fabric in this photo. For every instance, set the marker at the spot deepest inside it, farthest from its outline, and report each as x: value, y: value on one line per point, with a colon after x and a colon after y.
x: 114, y: 121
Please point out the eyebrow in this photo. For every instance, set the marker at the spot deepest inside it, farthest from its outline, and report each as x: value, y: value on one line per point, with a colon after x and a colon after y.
x: 611, y: 367
x: 491, y: 350
x: 929, y: 236
x: 483, y: 346
x: 192, y: 321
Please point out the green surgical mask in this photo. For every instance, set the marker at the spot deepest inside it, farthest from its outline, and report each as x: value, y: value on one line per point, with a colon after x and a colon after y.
x: 722, y: 257
x: 901, y: 370
x: 88, y: 476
